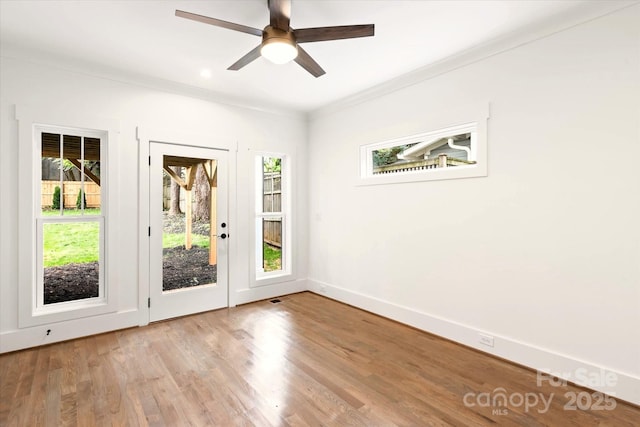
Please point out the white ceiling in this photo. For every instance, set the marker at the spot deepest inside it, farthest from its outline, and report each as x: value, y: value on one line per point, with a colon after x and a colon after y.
x: 144, y: 39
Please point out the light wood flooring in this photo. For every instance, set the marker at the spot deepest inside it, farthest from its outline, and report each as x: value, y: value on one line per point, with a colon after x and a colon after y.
x: 304, y: 361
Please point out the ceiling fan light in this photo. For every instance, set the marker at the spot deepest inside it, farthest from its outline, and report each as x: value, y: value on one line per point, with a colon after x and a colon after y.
x: 279, y: 51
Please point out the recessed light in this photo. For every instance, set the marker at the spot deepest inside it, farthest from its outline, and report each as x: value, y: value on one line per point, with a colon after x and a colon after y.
x: 205, y: 73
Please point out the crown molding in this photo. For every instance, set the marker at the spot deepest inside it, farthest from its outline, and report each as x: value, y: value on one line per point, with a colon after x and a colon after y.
x: 587, y: 12
x: 106, y: 72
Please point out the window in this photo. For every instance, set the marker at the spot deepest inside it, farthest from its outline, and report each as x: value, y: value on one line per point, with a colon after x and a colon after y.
x: 70, y: 220
x: 69, y: 226
x: 272, y: 227
x: 452, y: 152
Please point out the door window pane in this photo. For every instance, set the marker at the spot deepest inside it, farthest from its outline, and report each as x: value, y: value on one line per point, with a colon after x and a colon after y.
x: 189, y: 242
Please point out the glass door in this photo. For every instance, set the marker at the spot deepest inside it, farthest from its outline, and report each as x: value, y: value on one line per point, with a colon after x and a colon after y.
x: 188, y: 232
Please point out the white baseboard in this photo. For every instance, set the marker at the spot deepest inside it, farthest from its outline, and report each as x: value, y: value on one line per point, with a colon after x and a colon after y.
x: 625, y: 386
x: 247, y: 295
x: 62, y: 331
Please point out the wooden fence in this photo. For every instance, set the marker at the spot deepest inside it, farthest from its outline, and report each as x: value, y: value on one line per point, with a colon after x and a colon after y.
x: 272, y: 202
x: 166, y: 196
x: 70, y: 189
x: 442, y: 161
x: 272, y: 231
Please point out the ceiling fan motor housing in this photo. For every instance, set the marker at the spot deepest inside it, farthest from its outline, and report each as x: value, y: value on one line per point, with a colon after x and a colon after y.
x: 276, y: 35
x: 281, y: 43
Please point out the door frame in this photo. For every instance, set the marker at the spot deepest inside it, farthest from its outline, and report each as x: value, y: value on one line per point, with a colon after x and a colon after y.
x: 145, y: 136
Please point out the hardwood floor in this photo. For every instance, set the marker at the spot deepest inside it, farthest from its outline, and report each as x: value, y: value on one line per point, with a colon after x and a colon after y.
x: 304, y: 361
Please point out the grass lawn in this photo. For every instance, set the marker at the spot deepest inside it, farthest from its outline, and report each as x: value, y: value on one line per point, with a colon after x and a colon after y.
x: 75, y: 242
x: 71, y: 212
x: 78, y: 242
x: 272, y: 258
x: 173, y: 240
x: 66, y: 243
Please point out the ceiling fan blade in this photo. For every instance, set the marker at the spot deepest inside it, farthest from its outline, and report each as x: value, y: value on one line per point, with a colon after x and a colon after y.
x: 219, y: 23
x: 249, y: 57
x: 280, y: 12
x: 320, y: 34
x: 308, y: 63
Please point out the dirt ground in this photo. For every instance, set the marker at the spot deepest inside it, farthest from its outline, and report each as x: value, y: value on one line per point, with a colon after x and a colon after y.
x: 180, y: 269
x: 70, y: 282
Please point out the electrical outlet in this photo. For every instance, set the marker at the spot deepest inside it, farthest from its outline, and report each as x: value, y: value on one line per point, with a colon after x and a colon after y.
x: 485, y: 339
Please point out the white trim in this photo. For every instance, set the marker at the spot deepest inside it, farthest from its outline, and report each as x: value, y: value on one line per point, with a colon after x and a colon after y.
x: 106, y: 72
x: 143, y: 224
x: 286, y: 274
x: 588, y: 11
x: 474, y: 124
x: 529, y: 355
x: 144, y: 136
x: 66, y: 330
x: 31, y: 122
x: 258, y: 293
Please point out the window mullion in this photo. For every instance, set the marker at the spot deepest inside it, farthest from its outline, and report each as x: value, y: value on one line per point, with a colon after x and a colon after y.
x: 61, y: 168
x: 82, y: 192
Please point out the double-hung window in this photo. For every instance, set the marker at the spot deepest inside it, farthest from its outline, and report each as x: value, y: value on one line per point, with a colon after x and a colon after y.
x: 66, y: 263
x: 70, y: 219
x: 272, y: 218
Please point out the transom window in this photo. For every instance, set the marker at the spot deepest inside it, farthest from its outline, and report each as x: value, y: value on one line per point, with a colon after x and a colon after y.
x: 453, y: 147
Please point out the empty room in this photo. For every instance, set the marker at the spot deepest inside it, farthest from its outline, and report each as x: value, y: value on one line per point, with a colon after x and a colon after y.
x: 328, y: 213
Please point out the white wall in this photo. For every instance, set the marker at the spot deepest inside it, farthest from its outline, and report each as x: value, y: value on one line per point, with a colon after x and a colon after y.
x: 544, y: 253
x: 54, y: 89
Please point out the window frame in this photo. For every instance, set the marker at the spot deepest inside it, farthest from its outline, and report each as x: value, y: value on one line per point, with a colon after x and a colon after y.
x: 258, y: 276
x: 31, y: 125
x: 42, y: 308
x: 478, y: 130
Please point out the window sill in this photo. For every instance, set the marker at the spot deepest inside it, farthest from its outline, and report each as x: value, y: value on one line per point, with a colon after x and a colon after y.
x: 68, y: 310
x: 458, y: 172
x: 273, y: 278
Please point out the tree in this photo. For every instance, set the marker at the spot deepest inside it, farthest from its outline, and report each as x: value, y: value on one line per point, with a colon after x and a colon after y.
x: 272, y: 164
x: 56, y: 199
x: 71, y: 173
x: 202, y: 195
x: 387, y: 156
x: 81, y: 200
x: 174, y: 206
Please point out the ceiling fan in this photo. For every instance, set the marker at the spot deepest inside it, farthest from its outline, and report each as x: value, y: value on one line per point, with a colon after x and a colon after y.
x: 280, y: 42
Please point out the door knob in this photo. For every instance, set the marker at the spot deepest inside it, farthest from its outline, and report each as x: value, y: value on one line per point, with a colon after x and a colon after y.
x: 223, y: 236
x: 223, y: 225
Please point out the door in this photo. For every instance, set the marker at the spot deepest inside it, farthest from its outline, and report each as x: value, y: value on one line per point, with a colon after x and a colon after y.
x: 188, y: 230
